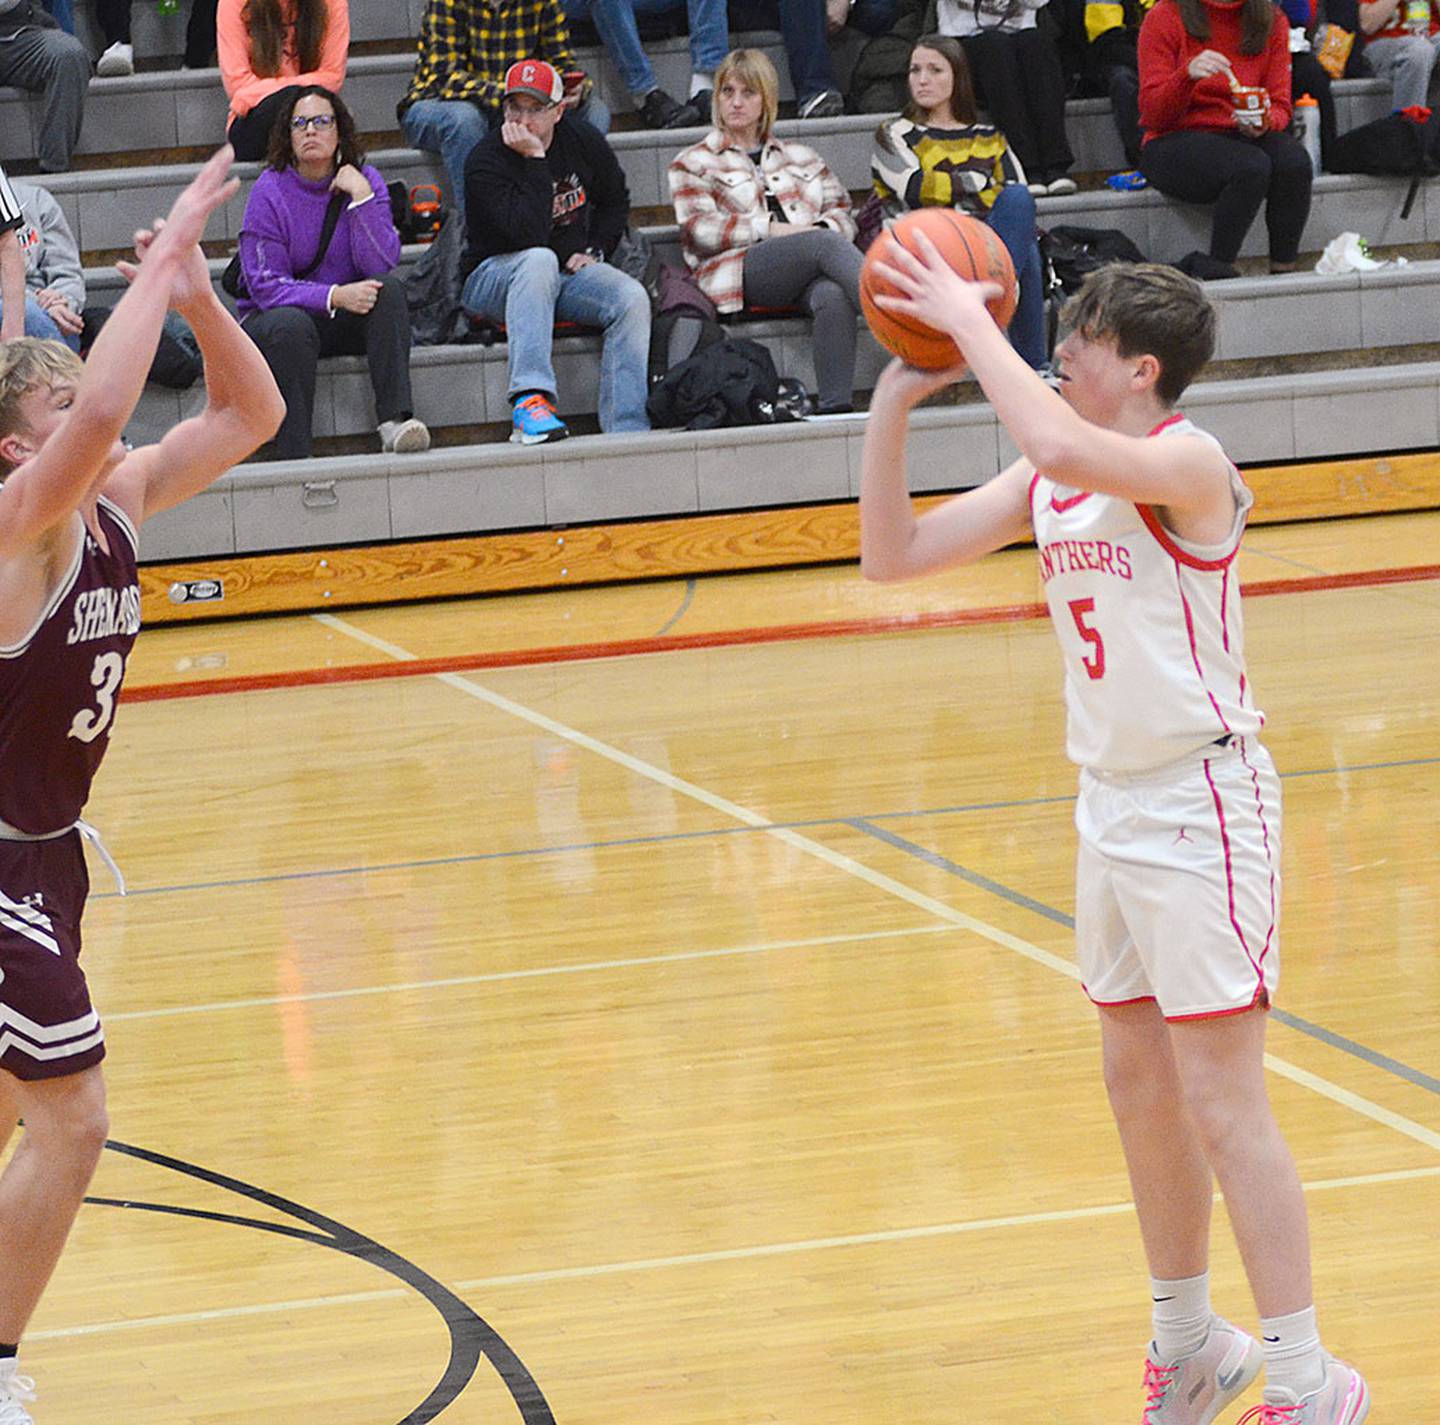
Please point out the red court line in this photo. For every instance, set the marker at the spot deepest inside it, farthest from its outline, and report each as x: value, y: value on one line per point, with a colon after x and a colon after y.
x: 724, y: 638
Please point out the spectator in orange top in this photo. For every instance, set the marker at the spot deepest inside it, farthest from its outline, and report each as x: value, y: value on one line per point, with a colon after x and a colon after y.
x: 269, y: 49
x: 1215, y: 107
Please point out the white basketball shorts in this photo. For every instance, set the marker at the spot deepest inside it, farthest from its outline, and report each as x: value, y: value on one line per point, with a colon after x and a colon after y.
x: 1178, y: 883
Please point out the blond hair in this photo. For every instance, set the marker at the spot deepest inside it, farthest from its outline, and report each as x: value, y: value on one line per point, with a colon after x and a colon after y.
x: 27, y: 364
x: 753, y: 69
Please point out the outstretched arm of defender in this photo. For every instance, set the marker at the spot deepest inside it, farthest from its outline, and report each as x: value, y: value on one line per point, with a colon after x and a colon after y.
x: 12, y: 286
x: 243, y: 407
x: 894, y: 543
x: 53, y: 481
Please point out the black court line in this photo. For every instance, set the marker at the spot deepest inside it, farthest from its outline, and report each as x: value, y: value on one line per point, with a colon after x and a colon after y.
x: 664, y: 838
x: 471, y: 1337
x: 1370, y: 1056
x: 680, y: 612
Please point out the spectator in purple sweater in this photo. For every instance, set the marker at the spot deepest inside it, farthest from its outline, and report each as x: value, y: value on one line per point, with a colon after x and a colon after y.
x: 352, y: 302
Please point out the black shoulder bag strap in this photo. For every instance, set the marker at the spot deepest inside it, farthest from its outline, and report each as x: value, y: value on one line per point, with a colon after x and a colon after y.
x: 332, y: 216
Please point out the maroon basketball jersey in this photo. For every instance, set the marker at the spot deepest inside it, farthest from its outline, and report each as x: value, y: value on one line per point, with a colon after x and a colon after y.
x: 58, y: 686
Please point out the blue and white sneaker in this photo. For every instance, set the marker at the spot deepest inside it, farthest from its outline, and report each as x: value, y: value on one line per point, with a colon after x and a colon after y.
x: 533, y: 422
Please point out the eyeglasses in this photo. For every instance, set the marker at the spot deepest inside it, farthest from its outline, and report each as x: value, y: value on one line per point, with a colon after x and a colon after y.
x: 316, y: 121
x: 524, y: 111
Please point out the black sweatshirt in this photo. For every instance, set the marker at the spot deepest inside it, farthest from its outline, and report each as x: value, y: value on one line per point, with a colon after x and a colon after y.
x: 572, y: 200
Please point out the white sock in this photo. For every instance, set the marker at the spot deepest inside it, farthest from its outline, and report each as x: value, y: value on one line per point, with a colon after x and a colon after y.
x: 1294, y: 1359
x: 699, y: 82
x: 1180, y: 1315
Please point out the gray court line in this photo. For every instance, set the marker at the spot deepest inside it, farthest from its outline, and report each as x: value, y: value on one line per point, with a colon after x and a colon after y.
x: 944, y: 863
x: 1292, y: 1021
x: 663, y: 838
x: 680, y: 612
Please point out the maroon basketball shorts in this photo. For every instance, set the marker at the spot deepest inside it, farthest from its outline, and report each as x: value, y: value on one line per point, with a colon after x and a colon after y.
x: 48, y: 1026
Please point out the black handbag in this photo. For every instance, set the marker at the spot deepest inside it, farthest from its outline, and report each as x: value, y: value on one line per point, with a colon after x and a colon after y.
x: 233, y: 277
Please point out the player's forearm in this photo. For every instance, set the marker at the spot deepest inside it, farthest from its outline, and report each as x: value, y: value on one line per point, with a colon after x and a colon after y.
x: 239, y: 389
x: 12, y: 287
x: 119, y: 362
x: 887, y: 518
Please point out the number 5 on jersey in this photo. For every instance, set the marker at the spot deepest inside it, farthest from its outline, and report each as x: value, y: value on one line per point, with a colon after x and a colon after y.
x: 1094, y: 661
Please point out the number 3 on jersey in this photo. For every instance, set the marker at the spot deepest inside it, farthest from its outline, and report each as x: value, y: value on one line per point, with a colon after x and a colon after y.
x: 89, y: 723
x: 1094, y: 661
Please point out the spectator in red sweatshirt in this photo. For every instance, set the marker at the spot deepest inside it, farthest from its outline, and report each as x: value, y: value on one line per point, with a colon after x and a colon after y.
x: 1215, y: 107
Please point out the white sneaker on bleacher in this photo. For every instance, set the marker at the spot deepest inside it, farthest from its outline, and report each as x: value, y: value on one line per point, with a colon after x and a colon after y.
x: 117, y: 60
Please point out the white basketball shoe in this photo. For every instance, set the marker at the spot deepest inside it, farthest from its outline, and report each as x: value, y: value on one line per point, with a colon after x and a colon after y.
x: 1344, y: 1399
x: 13, y: 1389
x: 1197, y: 1387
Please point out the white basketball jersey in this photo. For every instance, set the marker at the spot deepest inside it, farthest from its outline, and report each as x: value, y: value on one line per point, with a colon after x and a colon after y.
x: 1149, y: 624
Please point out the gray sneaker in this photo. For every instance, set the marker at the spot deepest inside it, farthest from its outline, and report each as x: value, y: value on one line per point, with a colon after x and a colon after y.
x: 406, y: 437
x: 1197, y: 1387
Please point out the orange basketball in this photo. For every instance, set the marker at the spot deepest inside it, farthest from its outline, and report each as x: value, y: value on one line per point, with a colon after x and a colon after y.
x: 971, y: 247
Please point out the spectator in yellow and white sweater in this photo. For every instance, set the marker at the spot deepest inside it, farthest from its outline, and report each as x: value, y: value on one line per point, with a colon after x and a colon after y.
x: 936, y: 155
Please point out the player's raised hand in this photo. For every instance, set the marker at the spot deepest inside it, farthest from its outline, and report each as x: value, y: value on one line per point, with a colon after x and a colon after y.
x: 172, y: 237
x: 191, y: 281
x: 927, y: 286
x: 908, y: 385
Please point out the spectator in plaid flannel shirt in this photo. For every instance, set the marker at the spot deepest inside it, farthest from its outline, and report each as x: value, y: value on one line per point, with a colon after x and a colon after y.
x: 765, y: 223
x: 466, y: 47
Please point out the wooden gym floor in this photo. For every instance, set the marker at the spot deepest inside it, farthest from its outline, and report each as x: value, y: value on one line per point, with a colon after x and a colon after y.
x: 692, y: 1037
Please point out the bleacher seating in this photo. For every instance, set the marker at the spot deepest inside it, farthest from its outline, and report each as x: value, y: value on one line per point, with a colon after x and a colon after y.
x: 492, y: 486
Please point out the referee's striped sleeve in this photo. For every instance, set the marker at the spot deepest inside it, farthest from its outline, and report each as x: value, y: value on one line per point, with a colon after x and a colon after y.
x: 10, y: 215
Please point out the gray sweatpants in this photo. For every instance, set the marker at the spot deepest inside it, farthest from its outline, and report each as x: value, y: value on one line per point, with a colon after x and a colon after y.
x: 821, y: 271
x: 55, y: 64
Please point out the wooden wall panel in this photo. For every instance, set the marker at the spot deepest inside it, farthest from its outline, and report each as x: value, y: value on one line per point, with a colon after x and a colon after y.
x: 699, y: 544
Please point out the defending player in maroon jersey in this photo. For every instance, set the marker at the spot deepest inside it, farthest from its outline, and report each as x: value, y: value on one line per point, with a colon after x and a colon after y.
x: 1138, y: 515
x: 72, y: 502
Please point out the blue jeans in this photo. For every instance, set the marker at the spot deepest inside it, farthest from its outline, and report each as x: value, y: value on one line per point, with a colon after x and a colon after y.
x: 39, y: 322
x: 63, y: 13
x: 1013, y: 219
x: 452, y: 127
x: 529, y: 293
x: 615, y: 22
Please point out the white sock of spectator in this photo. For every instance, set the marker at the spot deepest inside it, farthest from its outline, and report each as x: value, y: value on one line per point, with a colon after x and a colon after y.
x: 699, y: 83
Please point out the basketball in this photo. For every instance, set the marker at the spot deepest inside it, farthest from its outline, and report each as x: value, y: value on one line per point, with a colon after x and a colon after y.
x: 970, y: 247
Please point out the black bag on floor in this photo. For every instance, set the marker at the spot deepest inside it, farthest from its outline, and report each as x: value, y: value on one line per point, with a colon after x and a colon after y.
x: 1403, y: 144
x: 1074, y: 253
x: 731, y: 383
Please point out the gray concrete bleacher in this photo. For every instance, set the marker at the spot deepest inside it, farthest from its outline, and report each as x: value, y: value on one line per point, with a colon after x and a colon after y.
x: 1259, y: 317
x: 187, y: 107
x: 351, y: 499
x: 595, y: 479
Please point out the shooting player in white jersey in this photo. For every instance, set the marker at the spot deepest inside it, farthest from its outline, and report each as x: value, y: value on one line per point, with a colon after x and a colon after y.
x: 1138, y: 516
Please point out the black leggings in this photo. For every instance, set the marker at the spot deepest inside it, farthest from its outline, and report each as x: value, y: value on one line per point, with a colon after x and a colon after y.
x: 1019, y: 74
x: 293, y: 339
x: 249, y: 135
x: 1237, y: 175
x: 820, y: 269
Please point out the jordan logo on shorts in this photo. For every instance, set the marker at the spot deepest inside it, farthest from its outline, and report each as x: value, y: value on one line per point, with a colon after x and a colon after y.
x: 1182, y: 835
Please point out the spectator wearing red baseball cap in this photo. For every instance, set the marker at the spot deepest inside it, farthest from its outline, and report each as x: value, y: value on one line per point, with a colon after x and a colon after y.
x: 545, y: 206
x: 466, y: 47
